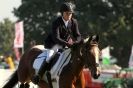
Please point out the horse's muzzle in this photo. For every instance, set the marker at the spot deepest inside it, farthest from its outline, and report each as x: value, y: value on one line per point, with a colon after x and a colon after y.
x: 96, y: 76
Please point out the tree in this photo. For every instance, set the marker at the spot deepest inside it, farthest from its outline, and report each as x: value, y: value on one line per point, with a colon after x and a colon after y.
x: 6, y: 36
x: 112, y: 20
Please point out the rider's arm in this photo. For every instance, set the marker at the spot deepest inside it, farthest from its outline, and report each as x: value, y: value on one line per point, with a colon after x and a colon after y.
x: 76, y: 32
x: 56, y: 34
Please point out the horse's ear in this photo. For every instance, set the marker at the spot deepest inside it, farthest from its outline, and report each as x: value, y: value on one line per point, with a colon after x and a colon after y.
x: 86, y: 40
x: 95, y: 38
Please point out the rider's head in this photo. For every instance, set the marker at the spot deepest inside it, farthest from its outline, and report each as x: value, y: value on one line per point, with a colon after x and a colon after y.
x: 66, y: 10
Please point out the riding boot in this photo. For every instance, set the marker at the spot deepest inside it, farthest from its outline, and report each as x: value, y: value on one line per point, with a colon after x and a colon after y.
x: 41, y: 72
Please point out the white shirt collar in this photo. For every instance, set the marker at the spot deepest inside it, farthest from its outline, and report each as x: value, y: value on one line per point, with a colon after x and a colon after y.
x: 66, y: 22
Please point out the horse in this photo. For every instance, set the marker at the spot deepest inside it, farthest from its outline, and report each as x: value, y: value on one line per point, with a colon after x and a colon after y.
x: 83, y: 54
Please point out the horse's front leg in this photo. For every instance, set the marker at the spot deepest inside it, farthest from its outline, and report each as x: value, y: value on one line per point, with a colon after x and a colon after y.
x: 65, y: 81
x: 73, y: 86
x: 80, y: 82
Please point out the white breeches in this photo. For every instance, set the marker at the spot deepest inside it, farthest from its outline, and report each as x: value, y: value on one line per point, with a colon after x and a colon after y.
x: 52, y: 52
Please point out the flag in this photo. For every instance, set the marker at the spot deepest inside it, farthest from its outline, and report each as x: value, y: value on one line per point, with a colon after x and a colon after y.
x: 131, y: 59
x: 17, y: 53
x: 19, y: 35
x: 106, y: 56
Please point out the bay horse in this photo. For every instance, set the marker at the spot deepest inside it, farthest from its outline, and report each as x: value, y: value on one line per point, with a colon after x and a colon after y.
x: 83, y: 54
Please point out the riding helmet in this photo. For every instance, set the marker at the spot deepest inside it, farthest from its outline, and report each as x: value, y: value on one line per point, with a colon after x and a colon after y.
x: 67, y: 7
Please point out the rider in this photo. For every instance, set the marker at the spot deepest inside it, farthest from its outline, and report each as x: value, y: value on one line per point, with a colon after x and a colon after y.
x: 64, y: 33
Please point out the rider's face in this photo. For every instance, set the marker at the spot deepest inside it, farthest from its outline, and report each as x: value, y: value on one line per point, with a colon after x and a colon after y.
x: 67, y: 15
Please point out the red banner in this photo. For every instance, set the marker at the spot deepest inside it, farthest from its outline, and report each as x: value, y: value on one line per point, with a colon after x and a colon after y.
x: 19, y: 35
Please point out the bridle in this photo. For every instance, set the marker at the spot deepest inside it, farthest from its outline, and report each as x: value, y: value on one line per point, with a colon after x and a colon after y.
x: 87, y: 50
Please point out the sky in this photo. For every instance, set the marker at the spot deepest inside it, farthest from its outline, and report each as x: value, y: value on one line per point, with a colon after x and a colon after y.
x: 6, y: 8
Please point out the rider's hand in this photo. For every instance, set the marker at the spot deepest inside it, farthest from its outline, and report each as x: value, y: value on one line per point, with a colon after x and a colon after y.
x: 70, y: 42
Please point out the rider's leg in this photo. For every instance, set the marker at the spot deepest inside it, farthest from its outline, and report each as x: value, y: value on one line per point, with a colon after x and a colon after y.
x: 43, y: 68
x: 40, y: 73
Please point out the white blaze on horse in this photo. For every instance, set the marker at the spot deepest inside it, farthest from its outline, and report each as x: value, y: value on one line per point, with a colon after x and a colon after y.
x: 64, y: 72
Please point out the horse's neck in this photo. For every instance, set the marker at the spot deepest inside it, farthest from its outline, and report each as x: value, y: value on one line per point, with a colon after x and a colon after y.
x: 76, y: 49
x: 76, y: 61
x: 77, y: 53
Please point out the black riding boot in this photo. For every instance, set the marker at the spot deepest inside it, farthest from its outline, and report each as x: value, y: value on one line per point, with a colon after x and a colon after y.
x: 41, y: 72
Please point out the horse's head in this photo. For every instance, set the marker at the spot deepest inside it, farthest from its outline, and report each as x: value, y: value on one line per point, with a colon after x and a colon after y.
x: 91, y: 54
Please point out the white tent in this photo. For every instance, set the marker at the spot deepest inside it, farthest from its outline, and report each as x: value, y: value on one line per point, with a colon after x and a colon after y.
x: 106, y: 55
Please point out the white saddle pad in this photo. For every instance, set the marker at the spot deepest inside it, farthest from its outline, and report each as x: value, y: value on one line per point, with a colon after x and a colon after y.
x: 62, y: 61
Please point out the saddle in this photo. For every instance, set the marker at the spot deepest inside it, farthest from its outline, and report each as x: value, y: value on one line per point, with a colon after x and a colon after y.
x: 43, y: 56
x: 57, y: 60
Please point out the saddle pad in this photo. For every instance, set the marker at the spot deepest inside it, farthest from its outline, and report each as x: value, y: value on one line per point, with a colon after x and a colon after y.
x: 62, y: 61
x: 47, y: 53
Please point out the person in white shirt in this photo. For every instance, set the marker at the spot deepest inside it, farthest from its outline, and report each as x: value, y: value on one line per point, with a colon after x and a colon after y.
x: 64, y: 33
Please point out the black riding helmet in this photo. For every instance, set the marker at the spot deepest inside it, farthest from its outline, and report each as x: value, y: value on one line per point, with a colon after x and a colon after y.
x: 67, y: 7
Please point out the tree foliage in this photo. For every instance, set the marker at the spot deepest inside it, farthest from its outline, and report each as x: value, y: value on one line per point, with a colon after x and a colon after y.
x: 111, y: 19
x: 6, y: 36
x: 37, y: 16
